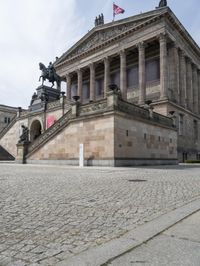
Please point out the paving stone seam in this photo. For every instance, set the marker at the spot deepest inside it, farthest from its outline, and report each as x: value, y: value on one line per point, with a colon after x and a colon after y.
x: 104, y: 254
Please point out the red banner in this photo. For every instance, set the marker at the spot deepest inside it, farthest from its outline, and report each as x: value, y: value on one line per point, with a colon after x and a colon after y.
x: 50, y: 121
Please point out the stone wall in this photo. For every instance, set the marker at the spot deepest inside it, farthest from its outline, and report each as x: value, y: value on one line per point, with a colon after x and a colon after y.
x: 187, y: 143
x: 97, y: 135
x: 136, y: 140
x: 10, y: 139
x: 112, y: 139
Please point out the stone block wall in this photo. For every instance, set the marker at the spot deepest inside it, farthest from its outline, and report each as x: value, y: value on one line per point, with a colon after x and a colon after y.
x: 97, y: 135
x: 137, y: 140
x: 187, y: 143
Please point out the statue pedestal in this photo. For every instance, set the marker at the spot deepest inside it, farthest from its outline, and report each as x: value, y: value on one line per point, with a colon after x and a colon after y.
x: 43, y: 91
x: 22, y: 150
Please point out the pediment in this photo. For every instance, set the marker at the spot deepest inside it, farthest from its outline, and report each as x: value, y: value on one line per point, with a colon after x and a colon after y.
x: 101, y: 34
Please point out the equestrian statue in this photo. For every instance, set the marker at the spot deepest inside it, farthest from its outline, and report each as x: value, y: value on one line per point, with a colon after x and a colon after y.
x: 49, y: 73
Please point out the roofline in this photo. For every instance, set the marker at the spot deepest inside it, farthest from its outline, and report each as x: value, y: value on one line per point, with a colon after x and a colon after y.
x: 7, y: 106
x: 110, y: 24
x: 159, y: 12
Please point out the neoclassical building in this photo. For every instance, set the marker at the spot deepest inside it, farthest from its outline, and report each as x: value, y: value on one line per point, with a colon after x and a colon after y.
x: 149, y: 56
x: 150, y: 117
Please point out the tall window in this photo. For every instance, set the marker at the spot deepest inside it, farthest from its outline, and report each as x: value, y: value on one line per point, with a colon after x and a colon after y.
x: 152, y: 70
x: 180, y: 124
x: 195, y: 130
x: 133, y: 77
x: 115, y: 78
x: 86, y: 91
x: 99, y: 87
x: 74, y: 90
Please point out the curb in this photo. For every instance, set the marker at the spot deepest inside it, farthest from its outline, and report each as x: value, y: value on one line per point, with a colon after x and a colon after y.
x: 107, y: 252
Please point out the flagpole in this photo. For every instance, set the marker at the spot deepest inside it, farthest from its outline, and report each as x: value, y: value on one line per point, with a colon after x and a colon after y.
x: 113, y: 12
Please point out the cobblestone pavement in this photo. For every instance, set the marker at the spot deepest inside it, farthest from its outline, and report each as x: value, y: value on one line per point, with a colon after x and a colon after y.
x: 48, y: 214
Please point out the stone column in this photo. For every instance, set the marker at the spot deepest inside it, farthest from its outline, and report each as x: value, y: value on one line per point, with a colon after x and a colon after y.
x: 92, y: 82
x: 163, y: 67
x: 198, y: 88
x: 176, y: 74
x: 80, y: 84
x: 142, y: 73
x: 69, y: 83
x: 189, y: 83
x: 184, y: 94
x: 106, y: 75
x: 123, y: 75
x: 195, y: 89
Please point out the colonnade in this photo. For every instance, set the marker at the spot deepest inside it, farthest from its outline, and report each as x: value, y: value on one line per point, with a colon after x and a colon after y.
x: 186, y: 80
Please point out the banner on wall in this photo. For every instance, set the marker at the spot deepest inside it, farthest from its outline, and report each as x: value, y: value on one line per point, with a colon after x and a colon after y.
x: 50, y: 121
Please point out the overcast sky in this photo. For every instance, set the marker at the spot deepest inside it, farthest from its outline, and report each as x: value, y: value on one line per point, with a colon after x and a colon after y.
x: 33, y: 31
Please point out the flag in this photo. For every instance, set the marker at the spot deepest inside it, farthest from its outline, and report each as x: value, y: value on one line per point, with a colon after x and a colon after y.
x: 117, y: 10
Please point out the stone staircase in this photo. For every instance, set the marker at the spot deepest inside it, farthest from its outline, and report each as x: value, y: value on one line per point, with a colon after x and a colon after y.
x: 5, y: 155
x: 49, y: 133
x: 5, y: 130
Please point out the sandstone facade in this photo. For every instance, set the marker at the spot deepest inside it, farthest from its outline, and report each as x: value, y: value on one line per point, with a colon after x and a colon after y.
x: 153, y: 118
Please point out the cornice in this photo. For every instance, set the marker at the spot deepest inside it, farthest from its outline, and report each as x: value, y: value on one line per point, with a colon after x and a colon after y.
x: 109, y: 41
x: 163, y: 13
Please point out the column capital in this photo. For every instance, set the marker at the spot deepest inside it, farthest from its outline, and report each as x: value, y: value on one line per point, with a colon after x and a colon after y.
x: 194, y: 66
x: 188, y: 60
x: 182, y: 53
x: 106, y: 59
x: 79, y: 71
x: 162, y: 37
x: 141, y: 45
x: 92, y: 65
x: 122, y: 53
x: 69, y: 75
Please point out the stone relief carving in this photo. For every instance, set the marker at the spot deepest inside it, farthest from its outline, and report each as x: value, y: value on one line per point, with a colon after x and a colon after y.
x: 100, y: 37
x: 99, y: 106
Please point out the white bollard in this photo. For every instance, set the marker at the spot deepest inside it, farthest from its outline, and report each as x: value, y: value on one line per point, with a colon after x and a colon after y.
x: 81, y: 155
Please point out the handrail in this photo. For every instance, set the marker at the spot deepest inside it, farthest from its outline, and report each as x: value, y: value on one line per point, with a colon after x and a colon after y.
x: 5, y: 130
x: 49, y: 133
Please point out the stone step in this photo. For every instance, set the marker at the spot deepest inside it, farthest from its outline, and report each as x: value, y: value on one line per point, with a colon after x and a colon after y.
x: 5, y: 155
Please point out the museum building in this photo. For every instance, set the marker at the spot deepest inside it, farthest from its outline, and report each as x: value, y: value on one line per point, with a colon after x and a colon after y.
x: 132, y: 98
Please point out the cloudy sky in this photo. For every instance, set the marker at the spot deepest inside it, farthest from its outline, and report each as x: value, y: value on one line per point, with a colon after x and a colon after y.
x: 33, y: 31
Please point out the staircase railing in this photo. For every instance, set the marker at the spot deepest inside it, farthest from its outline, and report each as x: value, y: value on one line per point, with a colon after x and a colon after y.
x: 49, y: 133
x: 5, y: 130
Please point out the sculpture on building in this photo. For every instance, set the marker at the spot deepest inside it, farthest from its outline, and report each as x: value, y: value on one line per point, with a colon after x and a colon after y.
x: 163, y: 3
x: 25, y: 135
x: 99, y: 20
x: 49, y: 73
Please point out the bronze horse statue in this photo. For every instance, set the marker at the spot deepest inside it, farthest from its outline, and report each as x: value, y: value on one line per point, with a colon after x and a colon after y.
x: 49, y: 73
